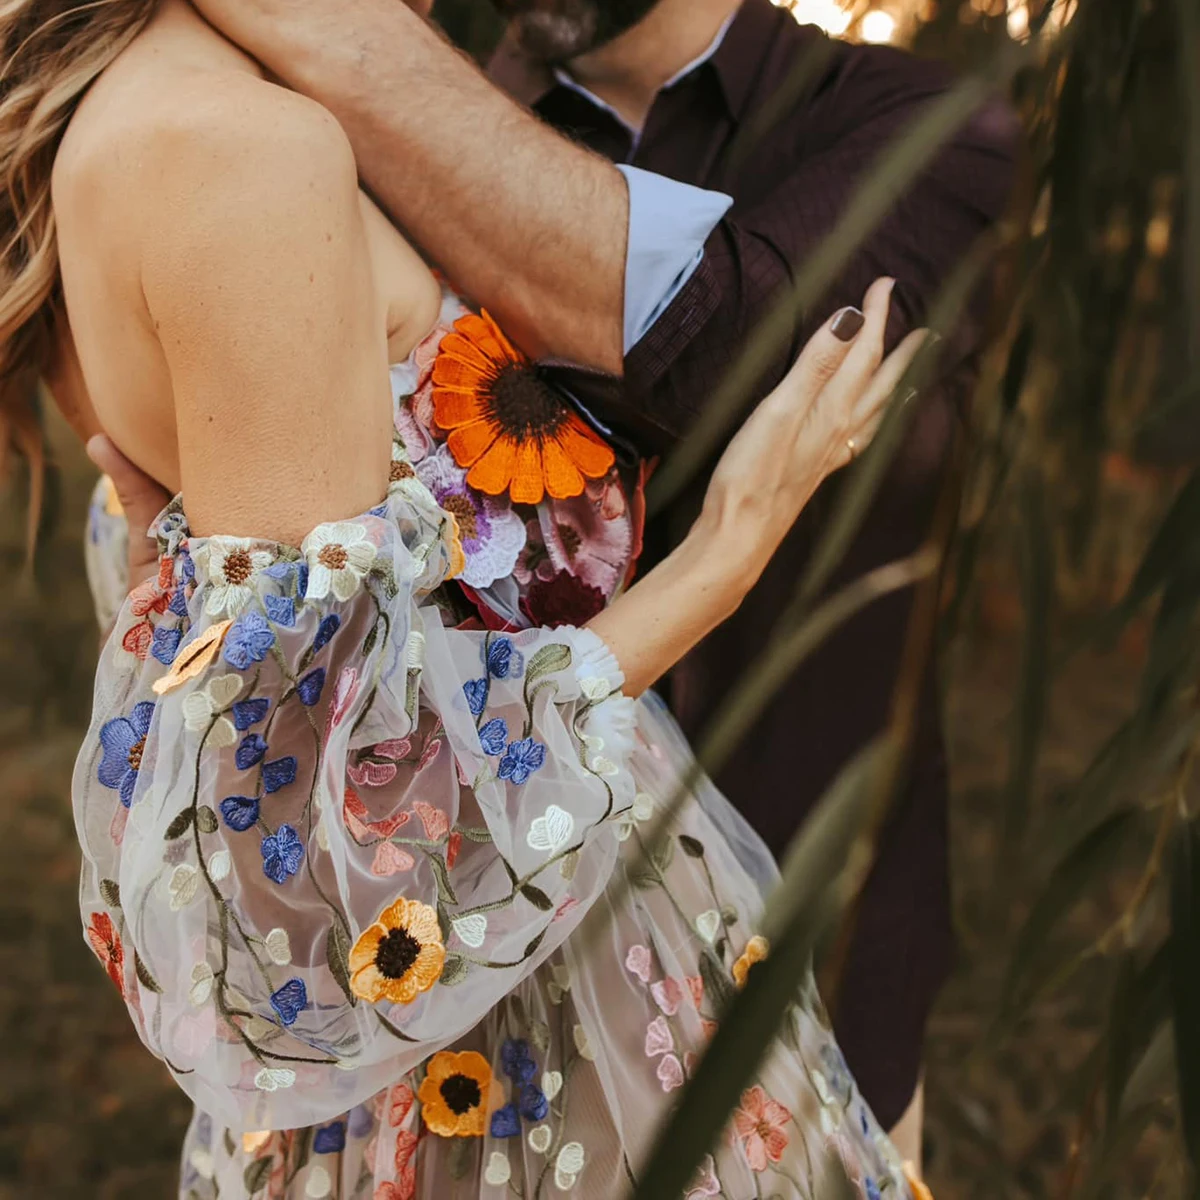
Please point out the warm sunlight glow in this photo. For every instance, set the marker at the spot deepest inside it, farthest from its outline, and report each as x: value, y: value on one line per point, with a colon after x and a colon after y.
x: 877, y: 26
x: 826, y: 14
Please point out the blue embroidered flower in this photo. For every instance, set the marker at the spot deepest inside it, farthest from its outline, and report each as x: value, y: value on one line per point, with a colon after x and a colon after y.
x: 250, y: 712
x: 279, y: 773
x: 493, y: 736
x: 505, y: 1122
x: 499, y: 657
x: 290, y: 1000
x: 331, y: 1139
x: 325, y: 631
x: 476, y: 692
x: 362, y: 1121
x: 534, y: 1105
x: 178, y: 603
x: 837, y: 1072
x: 281, y: 609
x: 309, y: 688
x: 873, y: 1192
x: 123, y: 740
x: 281, y: 854
x: 285, y: 572
x: 516, y: 1061
x: 187, y: 568
x: 165, y: 644
x: 521, y: 759
x: 251, y: 751
x: 249, y: 641
x: 240, y: 812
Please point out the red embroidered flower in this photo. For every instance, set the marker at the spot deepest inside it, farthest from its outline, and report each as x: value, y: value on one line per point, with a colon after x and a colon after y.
x: 106, y: 944
x: 760, y: 1124
x: 563, y: 600
x: 138, y: 639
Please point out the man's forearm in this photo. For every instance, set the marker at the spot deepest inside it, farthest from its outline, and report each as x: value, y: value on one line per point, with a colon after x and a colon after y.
x: 523, y: 221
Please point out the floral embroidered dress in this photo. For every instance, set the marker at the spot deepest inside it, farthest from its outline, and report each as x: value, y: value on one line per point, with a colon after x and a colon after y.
x: 358, y: 818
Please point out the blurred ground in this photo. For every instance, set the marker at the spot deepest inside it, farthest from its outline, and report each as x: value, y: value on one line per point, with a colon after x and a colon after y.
x: 86, y: 1112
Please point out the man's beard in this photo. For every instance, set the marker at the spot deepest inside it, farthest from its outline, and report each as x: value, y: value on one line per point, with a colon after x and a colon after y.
x: 554, y: 31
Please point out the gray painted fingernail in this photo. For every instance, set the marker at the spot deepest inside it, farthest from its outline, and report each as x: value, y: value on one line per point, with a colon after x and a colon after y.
x: 846, y: 323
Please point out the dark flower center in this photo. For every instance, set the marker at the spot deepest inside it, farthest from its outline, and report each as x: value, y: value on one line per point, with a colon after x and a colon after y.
x: 464, y: 514
x: 461, y: 1094
x: 238, y: 567
x: 524, y: 406
x: 571, y: 539
x: 135, y: 754
x: 333, y: 556
x: 399, y: 471
x: 396, y: 954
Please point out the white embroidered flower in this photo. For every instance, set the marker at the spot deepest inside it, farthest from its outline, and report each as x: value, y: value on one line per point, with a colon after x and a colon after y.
x: 552, y: 831
x: 279, y: 947
x: 567, y: 1166
x: 183, y: 885
x: 219, y: 865
x: 707, y: 924
x: 231, y: 565
x: 471, y: 930
x: 595, y: 687
x: 414, y: 650
x: 499, y: 1169
x: 200, y: 707
x: 339, y: 556
x: 552, y: 1082
x: 560, y: 983
x: 404, y: 480
x: 582, y: 1044
x: 202, y: 984
x: 202, y: 1163
x: 323, y: 836
x: 319, y: 1184
x: 642, y: 810
x: 274, y: 1079
x: 540, y: 1138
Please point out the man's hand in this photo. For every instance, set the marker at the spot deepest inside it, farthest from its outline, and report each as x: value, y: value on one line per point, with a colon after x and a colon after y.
x: 141, y: 497
x: 526, y: 223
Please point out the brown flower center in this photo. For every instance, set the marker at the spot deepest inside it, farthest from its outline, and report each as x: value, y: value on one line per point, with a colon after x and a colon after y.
x: 461, y: 1094
x: 396, y: 954
x: 238, y: 567
x: 464, y: 514
x: 764, y: 1129
x: 399, y: 471
x: 333, y: 556
x: 524, y: 406
x: 571, y: 539
x: 135, y: 754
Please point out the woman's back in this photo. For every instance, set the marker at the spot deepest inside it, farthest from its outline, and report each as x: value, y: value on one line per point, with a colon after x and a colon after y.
x: 204, y: 216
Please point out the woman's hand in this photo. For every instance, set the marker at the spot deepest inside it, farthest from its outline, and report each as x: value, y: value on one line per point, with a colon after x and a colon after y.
x: 816, y: 421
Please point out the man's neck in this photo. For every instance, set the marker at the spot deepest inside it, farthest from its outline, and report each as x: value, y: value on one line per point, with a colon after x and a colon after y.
x: 629, y: 71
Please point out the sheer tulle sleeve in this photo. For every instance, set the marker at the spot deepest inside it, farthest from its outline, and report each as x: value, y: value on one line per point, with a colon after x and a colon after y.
x: 323, y: 831
x: 106, y: 553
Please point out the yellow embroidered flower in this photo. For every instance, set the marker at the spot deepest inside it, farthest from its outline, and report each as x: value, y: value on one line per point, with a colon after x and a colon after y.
x: 919, y: 1190
x: 457, y: 1094
x: 400, y: 956
x: 755, y: 951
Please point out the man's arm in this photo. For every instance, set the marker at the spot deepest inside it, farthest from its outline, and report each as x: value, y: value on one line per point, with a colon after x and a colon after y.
x: 435, y: 142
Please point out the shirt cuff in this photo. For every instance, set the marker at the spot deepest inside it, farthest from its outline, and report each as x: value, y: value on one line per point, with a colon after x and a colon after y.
x: 669, y: 222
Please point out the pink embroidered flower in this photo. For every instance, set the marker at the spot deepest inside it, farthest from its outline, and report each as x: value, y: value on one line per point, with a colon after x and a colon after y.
x: 436, y: 822
x: 137, y: 640
x: 668, y: 995
x: 534, y: 561
x: 453, y: 846
x: 637, y: 961
x: 344, y: 693
x: 561, y: 911
x: 390, y: 859
x: 432, y: 745
x: 492, y: 535
x: 658, y: 1038
x: 582, y: 540
x: 760, y: 1124
x: 401, y: 1104
x: 696, y: 987
x: 371, y: 774
x: 706, y: 1183
x: 670, y: 1073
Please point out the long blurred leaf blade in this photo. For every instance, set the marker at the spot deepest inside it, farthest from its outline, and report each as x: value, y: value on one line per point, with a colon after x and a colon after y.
x: 1153, y: 1079
x: 806, y: 898
x: 1184, y: 958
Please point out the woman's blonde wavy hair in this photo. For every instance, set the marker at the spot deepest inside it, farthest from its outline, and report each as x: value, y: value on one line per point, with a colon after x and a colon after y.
x: 51, y: 51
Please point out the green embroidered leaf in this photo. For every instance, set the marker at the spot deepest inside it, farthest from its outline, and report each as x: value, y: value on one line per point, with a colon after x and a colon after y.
x: 691, y: 847
x: 455, y: 970
x: 256, y: 1175
x: 230, y: 1148
x: 180, y: 825
x: 539, y: 1035
x: 512, y: 875
x: 304, y: 1150
x: 442, y: 875
x: 206, y: 819
x: 716, y: 983
x: 443, y: 924
x: 371, y: 639
x: 474, y: 835
x: 537, y: 897
x: 547, y: 661
x: 337, y: 955
x: 532, y: 947
x: 462, y: 1154
x: 110, y: 892
x: 729, y: 915
x: 663, y: 854
x: 644, y: 880
x: 144, y: 977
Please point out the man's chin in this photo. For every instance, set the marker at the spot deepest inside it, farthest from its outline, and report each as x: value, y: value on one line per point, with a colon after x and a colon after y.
x: 555, y: 37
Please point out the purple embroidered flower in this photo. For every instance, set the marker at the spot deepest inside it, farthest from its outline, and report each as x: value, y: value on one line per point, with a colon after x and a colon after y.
x: 492, y: 535
x: 279, y: 773
x: 250, y: 712
x: 249, y: 641
x: 281, y: 610
x: 873, y: 1192
x: 330, y: 1139
x: 520, y: 760
x: 499, y: 658
x: 250, y: 752
x: 290, y: 1000
x: 123, y: 740
x: 282, y: 852
x: 309, y: 688
x: 287, y: 572
x: 165, y: 644
x: 505, y: 1122
x: 325, y: 631
x: 534, y: 561
x: 240, y: 812
x: 476, y: 692
x: 493, y: 736
x: 178, y: 603
x: 534, y: 1105
x: 516, y: 1061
